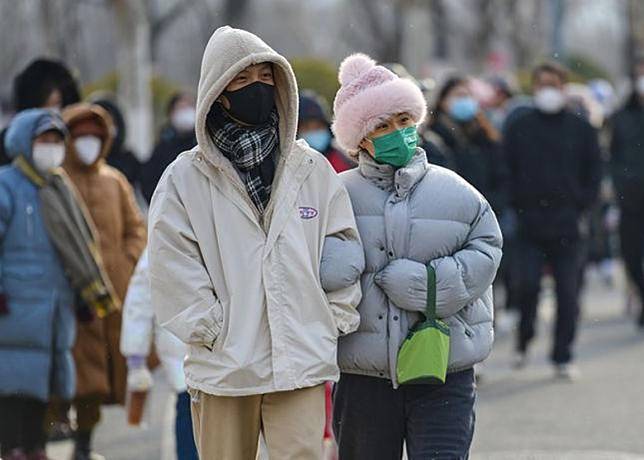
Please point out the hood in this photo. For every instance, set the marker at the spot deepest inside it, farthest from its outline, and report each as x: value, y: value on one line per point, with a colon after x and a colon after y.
x: 21, y: 131
x: 119, y: 124
x: 227, y: 53
x: 77, y: 113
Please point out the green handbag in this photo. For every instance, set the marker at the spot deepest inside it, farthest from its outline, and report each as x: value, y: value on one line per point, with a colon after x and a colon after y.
x: 424, y: 354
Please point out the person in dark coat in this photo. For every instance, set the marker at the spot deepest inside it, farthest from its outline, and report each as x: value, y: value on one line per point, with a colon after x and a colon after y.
x: 460, y: 133
x: 314, y: 127
x: 555, y: 169
x: 119, y: 156
x: 501, y: 103
x: 461, y: 137
x: 44, y: 83
x: 627, y: 167
x: 177, y: 136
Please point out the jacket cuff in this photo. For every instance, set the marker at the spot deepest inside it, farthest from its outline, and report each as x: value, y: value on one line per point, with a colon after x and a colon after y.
x: 135, y: 361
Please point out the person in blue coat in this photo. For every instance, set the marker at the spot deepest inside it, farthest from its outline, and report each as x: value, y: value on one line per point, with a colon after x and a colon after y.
x: 37, y: 322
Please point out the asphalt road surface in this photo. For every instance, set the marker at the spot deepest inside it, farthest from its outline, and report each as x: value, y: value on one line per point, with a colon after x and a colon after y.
x: 521, y: 415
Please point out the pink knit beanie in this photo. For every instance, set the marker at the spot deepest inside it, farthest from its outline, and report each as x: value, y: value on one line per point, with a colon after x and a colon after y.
x: 369, y: 95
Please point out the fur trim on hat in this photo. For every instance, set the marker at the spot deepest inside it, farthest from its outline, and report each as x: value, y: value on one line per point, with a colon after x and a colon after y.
x: 369, y: 95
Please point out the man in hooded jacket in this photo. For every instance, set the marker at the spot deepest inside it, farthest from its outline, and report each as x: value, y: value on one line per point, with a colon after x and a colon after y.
x: 241, y: 228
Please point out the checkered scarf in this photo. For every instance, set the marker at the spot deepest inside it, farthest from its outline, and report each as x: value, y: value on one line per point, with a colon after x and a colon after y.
x: 250, y: 149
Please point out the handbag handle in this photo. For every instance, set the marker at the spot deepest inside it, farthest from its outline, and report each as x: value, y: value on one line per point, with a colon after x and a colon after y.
x: 430, y: 309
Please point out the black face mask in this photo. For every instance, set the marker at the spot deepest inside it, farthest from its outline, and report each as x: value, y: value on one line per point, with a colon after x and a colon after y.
x: 252, y: 104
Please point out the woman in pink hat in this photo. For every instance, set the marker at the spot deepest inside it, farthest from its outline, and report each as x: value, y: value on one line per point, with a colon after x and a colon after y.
x: 426, y: 233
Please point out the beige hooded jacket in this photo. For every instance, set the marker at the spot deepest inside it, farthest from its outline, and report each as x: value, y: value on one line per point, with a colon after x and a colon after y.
x: 244, y: 290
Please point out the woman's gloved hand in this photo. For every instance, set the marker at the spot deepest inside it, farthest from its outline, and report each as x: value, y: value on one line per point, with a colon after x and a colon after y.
x: 405, y: 284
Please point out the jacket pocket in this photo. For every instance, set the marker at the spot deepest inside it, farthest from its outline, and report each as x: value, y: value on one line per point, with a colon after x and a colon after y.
x: 220, y: 321
x: 469, y: 332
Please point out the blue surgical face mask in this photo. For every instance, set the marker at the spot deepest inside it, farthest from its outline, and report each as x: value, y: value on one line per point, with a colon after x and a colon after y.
x: 318, y: 139
x: 463, y: 109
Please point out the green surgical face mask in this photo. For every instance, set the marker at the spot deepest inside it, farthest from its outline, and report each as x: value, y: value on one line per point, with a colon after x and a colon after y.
x: 396, y: 148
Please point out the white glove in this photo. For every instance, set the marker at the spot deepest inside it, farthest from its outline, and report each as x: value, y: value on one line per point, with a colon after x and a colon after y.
x: 139, y: 379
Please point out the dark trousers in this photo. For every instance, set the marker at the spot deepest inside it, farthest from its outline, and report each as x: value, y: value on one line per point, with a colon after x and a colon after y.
x: 371, y: 420
x: 563, y: 257
x: 631, y: 232
x: 22, y: 424
x: 186, y: 449
x: 88, y: 413
x: 509, y: 271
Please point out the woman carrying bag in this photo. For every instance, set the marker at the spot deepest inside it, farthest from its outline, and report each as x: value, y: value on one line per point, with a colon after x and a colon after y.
x: 432, y: 247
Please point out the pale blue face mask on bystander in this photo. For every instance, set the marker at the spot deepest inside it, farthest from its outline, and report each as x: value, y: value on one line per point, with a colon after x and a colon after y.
x: 463, y: 109
x: 320, y: 139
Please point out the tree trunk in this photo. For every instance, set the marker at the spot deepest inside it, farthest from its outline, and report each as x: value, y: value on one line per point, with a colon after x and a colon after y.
x: 135, y: 70
x: 234, y: 11
x: 634, y: 42
x: 558, y: 17
x: 440, y: 29
x: 50, y: 32
x: 392, y: 49
x: 481, y: 46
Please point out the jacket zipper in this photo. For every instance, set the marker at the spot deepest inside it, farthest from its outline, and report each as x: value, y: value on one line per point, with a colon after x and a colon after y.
x: 30, y: 222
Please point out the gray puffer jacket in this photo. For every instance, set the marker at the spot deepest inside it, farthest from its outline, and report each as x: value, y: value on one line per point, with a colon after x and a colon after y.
x: 408, y: 218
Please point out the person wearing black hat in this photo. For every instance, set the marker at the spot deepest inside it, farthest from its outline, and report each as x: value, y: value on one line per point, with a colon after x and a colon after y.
x: 314, y: 127
x: 119, y: 156
x: 44, y: 83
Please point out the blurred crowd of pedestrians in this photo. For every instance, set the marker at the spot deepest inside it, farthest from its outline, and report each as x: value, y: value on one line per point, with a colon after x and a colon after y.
x: 81, y: 299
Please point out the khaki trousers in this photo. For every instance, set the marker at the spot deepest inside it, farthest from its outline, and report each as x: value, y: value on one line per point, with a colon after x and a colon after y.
x: 228, y: 428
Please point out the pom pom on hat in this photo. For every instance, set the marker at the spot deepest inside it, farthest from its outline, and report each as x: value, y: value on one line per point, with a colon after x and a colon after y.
x: 354, y: 66
x: 369, y: 94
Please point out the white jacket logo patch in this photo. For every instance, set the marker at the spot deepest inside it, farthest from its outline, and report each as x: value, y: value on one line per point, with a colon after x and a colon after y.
x: 307, y: 213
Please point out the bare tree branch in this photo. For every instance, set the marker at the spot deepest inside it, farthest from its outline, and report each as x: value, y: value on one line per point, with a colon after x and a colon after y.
x: 440, y: 28
x: 158, y: 25
x: 234, y: 11
x: 387, y: 42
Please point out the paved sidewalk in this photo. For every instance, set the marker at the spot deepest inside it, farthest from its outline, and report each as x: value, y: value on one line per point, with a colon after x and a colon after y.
x: 521, y: 415
x: 528, y: 414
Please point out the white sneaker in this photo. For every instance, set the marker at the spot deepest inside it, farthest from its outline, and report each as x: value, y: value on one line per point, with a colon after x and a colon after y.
x: 520, y: 360
x: 507, y: 322
x: 568, y: 372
